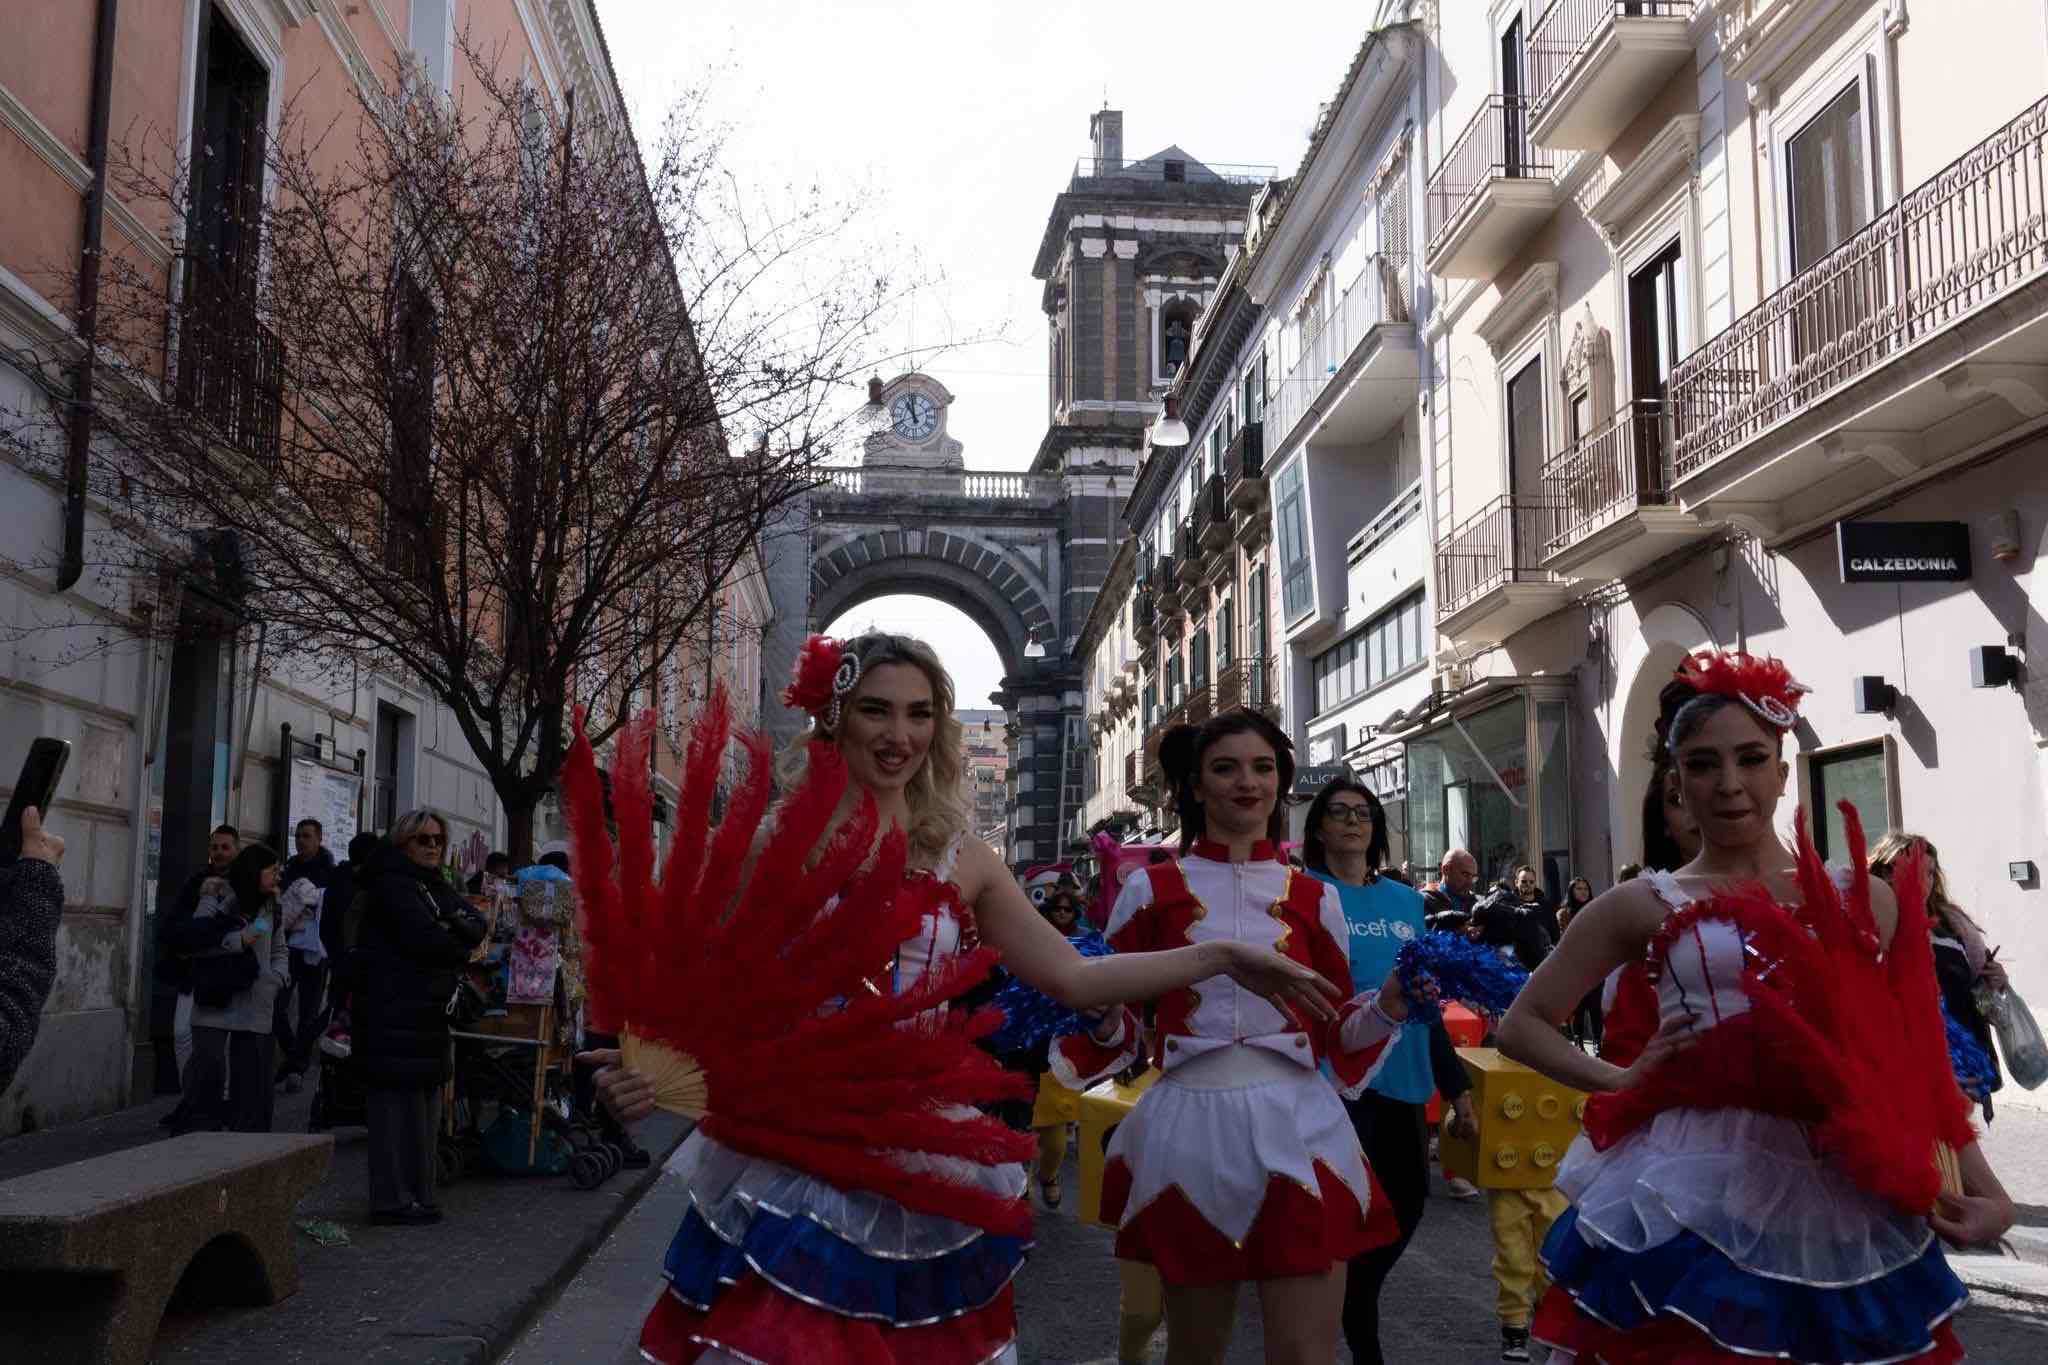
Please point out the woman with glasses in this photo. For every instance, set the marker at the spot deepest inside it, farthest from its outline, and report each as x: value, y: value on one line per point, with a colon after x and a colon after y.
x: 1345, y: 844
x: 416, y: 933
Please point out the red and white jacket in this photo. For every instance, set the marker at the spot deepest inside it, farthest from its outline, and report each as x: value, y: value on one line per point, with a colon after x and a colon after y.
x: 1204, y: 897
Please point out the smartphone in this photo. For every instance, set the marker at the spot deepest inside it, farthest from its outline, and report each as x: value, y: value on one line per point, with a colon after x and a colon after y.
x: 36, y: 785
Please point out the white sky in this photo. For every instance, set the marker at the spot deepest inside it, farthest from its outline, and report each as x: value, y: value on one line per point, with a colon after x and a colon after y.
x: 966, y: 117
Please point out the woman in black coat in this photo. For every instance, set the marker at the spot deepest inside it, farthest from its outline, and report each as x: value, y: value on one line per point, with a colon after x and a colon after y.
x: 415, y: 935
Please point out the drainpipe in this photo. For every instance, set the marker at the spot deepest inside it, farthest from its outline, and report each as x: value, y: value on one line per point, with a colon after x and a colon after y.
x: 76, y: 462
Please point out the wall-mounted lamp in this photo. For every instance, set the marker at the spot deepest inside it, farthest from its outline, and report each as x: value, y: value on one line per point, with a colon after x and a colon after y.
x: 1033, y: 649
x: 1992, y: 666
x: 1875, y: 696
x: 2021, y: 872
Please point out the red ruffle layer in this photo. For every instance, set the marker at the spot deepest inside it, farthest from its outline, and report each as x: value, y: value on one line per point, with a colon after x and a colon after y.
x: 1295, y: 1233
x: 1670, y: 1341
x: 755, y: 1321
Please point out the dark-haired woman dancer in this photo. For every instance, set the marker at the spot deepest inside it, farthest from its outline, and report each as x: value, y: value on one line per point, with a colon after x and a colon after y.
x: 1239, y: 1164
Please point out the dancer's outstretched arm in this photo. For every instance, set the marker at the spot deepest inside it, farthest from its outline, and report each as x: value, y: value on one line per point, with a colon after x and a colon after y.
x: 1038, y: 954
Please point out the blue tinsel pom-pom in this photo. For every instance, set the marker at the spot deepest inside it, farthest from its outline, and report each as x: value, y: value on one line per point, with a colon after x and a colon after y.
x: 1032, y: 1017
x: 1467, y: 972
x: 1975, y: 1072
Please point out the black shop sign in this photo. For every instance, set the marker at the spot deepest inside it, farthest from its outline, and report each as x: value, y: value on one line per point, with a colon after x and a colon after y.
x: 1311, y: 779
x: 1904, y: 551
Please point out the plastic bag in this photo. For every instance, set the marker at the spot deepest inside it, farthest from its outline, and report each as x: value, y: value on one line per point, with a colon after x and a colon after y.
x: 2019, y: 1037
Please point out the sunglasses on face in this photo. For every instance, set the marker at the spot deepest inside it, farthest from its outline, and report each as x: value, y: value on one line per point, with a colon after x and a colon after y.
x: 431, y: 840
x: 1359, y: 815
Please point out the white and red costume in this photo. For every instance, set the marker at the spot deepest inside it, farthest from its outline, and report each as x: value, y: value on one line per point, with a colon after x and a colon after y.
x: 1239, y: 1164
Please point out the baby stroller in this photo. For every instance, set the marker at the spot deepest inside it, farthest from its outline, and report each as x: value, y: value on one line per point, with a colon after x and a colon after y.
x: 340, y: 1099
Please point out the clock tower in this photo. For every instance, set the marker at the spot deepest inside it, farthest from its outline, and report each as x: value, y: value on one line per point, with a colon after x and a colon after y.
x: 910, y: 427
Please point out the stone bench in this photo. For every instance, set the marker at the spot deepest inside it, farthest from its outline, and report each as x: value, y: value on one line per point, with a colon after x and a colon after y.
x: 92, y: 1253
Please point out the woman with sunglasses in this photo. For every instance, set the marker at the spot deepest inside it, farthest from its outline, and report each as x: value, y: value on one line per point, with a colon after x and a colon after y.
x: 1345, y: 844
x: 415, y: 934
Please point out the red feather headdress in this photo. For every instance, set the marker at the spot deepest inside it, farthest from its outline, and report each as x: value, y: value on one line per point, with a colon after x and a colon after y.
x: 1761, y: 683
x: 741, y: 960
x: 825, y: 675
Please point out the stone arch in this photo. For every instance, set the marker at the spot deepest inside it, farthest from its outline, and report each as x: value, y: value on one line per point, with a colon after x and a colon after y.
x: 1648, y: 657
x: 995, y: 588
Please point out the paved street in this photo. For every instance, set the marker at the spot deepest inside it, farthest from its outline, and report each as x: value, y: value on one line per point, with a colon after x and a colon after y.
x: 1440, y: 1297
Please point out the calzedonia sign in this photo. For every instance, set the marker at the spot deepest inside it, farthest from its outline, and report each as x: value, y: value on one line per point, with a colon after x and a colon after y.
x: 1904, y: 551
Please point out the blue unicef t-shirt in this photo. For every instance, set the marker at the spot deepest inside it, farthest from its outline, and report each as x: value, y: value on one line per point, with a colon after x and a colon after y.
x: 1384, y: 915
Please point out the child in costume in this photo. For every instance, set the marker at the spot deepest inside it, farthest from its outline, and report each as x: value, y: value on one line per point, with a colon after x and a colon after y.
x: 1239, y: 1163
x: 1776, y: 1191
x: 846, y: 1202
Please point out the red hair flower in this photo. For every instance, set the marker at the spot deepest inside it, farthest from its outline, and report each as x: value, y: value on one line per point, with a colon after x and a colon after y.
x: 826, y: 671
x: 1762, y: 684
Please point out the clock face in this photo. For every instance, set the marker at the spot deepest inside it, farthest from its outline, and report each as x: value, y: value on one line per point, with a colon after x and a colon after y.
x: 917, y: 416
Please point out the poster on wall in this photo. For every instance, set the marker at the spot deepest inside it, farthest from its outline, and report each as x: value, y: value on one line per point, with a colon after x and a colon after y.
x: 328, y: 795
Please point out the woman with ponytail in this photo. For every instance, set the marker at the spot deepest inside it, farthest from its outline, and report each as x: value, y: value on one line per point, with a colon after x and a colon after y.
x: 1240, y: 1163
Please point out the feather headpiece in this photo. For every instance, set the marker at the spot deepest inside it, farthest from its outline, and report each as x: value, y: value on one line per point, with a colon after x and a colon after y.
x: 744, y: 980
x: 1761, y: 683
x: 825, y: 675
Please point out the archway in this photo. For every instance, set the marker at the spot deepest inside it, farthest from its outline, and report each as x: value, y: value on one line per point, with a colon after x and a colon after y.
x: 1661, y: 641
x: 969, y: 651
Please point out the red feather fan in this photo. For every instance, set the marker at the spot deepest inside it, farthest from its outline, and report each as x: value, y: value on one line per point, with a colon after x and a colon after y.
x: 741, y: 960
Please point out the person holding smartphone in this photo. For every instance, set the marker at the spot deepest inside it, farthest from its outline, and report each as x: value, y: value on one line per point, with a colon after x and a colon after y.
x: 31, y: 904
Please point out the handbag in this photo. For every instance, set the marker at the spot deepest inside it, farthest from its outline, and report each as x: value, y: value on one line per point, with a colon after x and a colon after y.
x: 2019, y: 1037
x: 466, y: 1004
x: 217, y: 978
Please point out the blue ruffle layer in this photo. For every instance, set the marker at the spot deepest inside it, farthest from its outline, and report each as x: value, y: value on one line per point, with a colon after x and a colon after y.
x: 804, y: 1259
x: 1887, y: 1318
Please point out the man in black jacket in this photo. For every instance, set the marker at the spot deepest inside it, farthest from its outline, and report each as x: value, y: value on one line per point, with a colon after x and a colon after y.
x: 1513, y: 918
x: 31, y: 904
x: 174, y: 969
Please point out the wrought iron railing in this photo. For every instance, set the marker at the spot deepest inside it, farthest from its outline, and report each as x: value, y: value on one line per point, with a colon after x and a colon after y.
x: 1244, y: 681
x: 1623, y: 464
x: 1244, y: 459
x: 1974, y: 232
x: 230, y: 366
x: 1378, y: 296
x: 1569, y: 29
x: 1212, y: 515
x: 1503, y: 542
x: 1494, y: 146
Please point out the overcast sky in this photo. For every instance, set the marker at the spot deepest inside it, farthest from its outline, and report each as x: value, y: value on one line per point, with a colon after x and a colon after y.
x: 968, y: 116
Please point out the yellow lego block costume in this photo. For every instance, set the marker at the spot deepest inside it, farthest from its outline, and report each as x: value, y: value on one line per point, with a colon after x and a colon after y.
x: 1526, y: 1121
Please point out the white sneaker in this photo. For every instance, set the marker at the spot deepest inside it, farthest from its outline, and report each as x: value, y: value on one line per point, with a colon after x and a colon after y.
x: 1460, y: 1187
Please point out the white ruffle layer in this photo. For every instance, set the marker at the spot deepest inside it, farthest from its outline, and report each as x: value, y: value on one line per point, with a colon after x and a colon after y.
x: 728, y: 1186
x: 1220, y: 1145
x: 714, y: 1356
x: 1750, y: 1185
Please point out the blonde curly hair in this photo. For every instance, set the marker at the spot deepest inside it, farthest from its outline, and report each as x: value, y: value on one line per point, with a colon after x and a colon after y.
x: 938, y: 807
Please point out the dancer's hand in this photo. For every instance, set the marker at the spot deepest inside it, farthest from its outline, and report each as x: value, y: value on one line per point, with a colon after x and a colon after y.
x: 1972, y: 1220
x: 1281, y: 980
x: 627, y: 1094
x: 1673, y: 1038
x: 1393, y: 996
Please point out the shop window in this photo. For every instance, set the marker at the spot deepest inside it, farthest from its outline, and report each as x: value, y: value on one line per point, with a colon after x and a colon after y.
x: 1859, y: 775
x: 1479, y: 785
x: 1383, y: 649
x: 1290, y: 527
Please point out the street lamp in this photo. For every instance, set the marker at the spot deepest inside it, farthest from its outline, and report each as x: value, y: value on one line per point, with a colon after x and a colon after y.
x: 1169, y: 430
x: 1033, y: 649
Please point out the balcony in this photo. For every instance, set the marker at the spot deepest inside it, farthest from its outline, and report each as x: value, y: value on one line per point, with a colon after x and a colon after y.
x: 1358, y: 371
x: 1612, y: 492
x: 1490, y: 579
x: 1143, y: 624
x: 1383, y: 558
x: 1489, y: 193
x: 1917, y: 344
x: 1165, y: 588
x: 1244, y: 466
x: 1594, y: 64
x: 1212, y: 515
x: 1187, y: 558
x: 230, y: 368
x: 1246, y: 682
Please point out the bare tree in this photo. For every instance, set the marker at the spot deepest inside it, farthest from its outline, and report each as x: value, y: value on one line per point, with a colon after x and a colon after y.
x: 484, y: 394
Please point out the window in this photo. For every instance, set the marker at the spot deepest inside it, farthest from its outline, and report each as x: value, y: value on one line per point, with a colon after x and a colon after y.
x: 1148, y: 702
x: 433, y: 41
x: 1216, y: 449
x: 1176, y: 171
x: 1829, y: 178
x: 1290, y: 522
x: 1255, y: 390
x: 1378, y: 652
x: 1226, y: 632
x: 1859, y: 775
x: 1525, y: 427
x: 1175, y: 680
x: 230, y: 114
x: 1255, y: 640
x: 1198, y: 659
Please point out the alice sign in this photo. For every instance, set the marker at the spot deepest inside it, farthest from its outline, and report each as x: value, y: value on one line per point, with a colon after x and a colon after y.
x: 1903, y: 551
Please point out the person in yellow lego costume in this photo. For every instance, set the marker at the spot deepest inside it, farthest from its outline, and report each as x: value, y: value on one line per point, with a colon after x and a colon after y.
x: 1525, y: 1123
